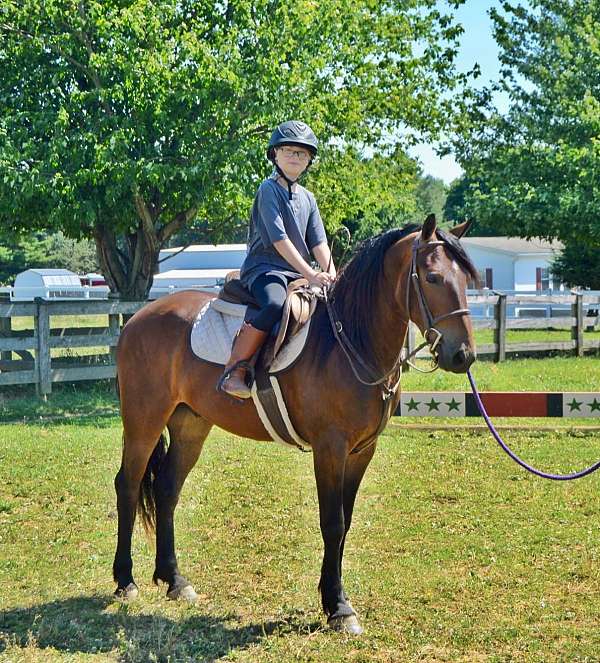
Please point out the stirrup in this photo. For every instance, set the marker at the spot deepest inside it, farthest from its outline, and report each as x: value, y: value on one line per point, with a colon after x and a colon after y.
x: 227, y: 374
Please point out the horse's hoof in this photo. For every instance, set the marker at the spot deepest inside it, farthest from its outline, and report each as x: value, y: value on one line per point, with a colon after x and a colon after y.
x: 346, y: 624
x: 129, y: 593
x: 186, y: 593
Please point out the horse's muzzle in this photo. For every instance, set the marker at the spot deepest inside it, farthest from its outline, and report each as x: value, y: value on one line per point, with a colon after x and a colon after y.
x: 456, y: 361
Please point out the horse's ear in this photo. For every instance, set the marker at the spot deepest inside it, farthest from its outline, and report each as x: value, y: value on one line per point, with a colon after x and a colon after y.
x: 461, y: 229
x: 428, y: 228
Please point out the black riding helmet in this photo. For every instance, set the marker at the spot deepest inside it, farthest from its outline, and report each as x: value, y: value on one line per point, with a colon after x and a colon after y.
x: 292, y: 132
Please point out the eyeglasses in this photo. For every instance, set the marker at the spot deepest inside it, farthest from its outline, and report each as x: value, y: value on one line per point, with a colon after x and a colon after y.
x: 288, y: 152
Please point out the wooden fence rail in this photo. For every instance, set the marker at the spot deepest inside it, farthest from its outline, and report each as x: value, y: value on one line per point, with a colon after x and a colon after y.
x: 36, y: 365
x: 33, y: 347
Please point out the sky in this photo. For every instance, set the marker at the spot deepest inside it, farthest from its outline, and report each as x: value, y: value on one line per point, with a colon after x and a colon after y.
x: 477, y: 45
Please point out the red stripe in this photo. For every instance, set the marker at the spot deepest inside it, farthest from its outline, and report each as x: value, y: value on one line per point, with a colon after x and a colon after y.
x: 511, y: 404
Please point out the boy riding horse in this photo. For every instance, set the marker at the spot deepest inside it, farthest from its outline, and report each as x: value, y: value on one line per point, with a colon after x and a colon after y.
x: 285, y: 229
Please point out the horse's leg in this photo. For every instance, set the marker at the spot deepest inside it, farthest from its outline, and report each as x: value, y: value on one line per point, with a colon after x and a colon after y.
x: 356, y: 466
x: 329, y: 464
x: 141, y: 435
x: 187, y: 433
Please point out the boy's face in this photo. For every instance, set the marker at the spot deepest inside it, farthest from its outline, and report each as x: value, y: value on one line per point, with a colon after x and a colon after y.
x: 292, y: 159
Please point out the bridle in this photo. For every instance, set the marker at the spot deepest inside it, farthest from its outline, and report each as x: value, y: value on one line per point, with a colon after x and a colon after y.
x: 426, y: 315
x: 353, y: 355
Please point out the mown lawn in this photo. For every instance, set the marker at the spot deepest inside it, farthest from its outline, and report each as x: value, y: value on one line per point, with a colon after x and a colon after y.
x: 455, y: 553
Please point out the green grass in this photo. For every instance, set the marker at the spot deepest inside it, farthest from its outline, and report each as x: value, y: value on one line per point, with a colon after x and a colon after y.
x: 548, y: 374
x: 484, y: 336
x: 455, y: 553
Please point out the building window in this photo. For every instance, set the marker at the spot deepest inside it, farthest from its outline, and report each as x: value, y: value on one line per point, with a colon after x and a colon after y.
x: 542, y: 279
x: 485, y: 278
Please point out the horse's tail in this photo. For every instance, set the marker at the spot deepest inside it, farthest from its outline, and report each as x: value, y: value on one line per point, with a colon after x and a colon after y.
x: 147, y: 501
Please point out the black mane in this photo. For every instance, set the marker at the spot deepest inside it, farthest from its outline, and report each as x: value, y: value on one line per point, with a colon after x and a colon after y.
x: 358, y: 285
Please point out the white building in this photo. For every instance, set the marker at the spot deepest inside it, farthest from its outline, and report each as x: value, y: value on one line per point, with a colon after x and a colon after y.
x: 512, y: 264
x: 202, y: 256
x: 196, y: 267
x: 53, y: 284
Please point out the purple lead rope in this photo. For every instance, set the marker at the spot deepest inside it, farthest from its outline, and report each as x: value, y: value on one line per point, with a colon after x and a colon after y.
x: 522, y: 463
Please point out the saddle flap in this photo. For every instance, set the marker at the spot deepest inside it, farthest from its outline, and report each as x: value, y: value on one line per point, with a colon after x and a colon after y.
x: 298, y: 308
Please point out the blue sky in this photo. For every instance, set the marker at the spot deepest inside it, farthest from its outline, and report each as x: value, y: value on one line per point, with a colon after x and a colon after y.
x: 477, y: 45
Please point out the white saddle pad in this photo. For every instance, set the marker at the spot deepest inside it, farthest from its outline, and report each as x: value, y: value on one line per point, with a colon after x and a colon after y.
x: 216, y: 325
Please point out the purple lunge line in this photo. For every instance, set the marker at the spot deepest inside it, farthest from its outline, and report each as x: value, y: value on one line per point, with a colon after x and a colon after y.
x: 522, y: 463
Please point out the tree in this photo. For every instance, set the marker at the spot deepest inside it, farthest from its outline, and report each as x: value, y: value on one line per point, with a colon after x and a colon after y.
x: 577, y: 266
x: 536, y: 169
x: 431, y: 196
x: 456, y: 208
x: 43, y: 249
x: 124, y: 120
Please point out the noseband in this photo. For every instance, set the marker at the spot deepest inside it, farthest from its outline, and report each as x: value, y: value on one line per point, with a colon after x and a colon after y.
x: 427, y: 317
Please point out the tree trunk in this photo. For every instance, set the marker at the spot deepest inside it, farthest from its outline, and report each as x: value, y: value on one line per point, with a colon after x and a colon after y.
x: 130, y: 261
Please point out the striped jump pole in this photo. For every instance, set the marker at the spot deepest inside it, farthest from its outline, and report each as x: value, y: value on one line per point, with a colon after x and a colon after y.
x: 571, y: 404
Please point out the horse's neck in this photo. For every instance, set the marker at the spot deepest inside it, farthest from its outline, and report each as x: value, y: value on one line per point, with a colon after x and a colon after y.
x: 387, y: 331
x: 390, y: 333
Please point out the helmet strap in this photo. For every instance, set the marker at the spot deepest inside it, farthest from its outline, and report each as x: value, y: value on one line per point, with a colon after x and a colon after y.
x: 287, y: 179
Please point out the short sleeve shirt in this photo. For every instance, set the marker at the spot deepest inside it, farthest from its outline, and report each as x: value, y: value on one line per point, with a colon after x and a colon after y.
x: 275, y: 217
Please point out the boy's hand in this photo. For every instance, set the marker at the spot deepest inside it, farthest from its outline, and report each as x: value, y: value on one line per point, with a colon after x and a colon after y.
x: 320, y: 279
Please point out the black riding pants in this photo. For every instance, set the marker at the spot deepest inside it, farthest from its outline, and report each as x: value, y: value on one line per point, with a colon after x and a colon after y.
x: 269, y: 290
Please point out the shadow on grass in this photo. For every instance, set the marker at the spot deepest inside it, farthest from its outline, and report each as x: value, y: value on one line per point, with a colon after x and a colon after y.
x: 83, y: 625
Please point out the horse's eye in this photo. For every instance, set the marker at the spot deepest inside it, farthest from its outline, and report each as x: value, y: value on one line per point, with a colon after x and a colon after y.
x: 432, y: 278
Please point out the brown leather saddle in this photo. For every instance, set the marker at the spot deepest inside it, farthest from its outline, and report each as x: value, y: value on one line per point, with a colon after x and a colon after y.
x: 300, y: 304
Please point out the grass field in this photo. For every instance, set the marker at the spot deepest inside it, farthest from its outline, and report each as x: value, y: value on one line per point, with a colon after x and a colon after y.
x: 456, y: 554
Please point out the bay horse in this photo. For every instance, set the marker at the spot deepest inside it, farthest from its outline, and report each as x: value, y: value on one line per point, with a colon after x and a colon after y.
x: 414, y: 273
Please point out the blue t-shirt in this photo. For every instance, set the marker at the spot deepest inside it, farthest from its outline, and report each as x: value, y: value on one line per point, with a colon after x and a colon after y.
x: 275, y: 217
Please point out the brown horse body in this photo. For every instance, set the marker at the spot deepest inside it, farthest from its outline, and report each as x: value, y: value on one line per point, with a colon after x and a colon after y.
x: 163, y: 385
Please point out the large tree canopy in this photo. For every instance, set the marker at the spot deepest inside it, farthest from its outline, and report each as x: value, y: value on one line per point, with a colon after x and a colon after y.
x: 125, y: 119
x: 535, y: 170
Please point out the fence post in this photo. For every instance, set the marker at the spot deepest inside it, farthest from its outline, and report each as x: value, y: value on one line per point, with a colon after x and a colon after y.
x: 577, y: 329
x: 5, y: 330
x: 409, y: 344
x: 500, y: 331
x: 114, y: 325
x: 42, y: 355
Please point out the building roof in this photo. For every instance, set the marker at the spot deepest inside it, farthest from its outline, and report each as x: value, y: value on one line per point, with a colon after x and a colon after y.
x: 44, y: 271
x: 205, y: 248
x: 516, y: 245
x: 193, y: 274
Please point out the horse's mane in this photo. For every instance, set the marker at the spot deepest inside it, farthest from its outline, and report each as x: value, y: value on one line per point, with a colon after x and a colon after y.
x: 357, y: 287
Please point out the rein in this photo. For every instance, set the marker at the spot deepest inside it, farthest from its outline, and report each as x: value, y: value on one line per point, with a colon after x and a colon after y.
x: 513, y: 455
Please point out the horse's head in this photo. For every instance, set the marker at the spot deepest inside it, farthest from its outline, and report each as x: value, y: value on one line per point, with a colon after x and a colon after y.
x: 431, y: 291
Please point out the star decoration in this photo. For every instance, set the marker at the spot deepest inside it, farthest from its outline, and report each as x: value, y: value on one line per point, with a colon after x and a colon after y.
x: 594, y: 405
x: 412, y: 404
x: 453, y: 405
x: 575, y: 405
x: 433, y: 405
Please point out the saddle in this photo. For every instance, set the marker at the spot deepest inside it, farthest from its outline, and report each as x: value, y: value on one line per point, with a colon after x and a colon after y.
x: 300, y: 304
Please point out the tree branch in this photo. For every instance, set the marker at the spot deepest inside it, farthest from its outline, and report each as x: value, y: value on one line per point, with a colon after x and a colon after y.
x: 183, y: 248
x: 147, y: 221
x: 175, y: 224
